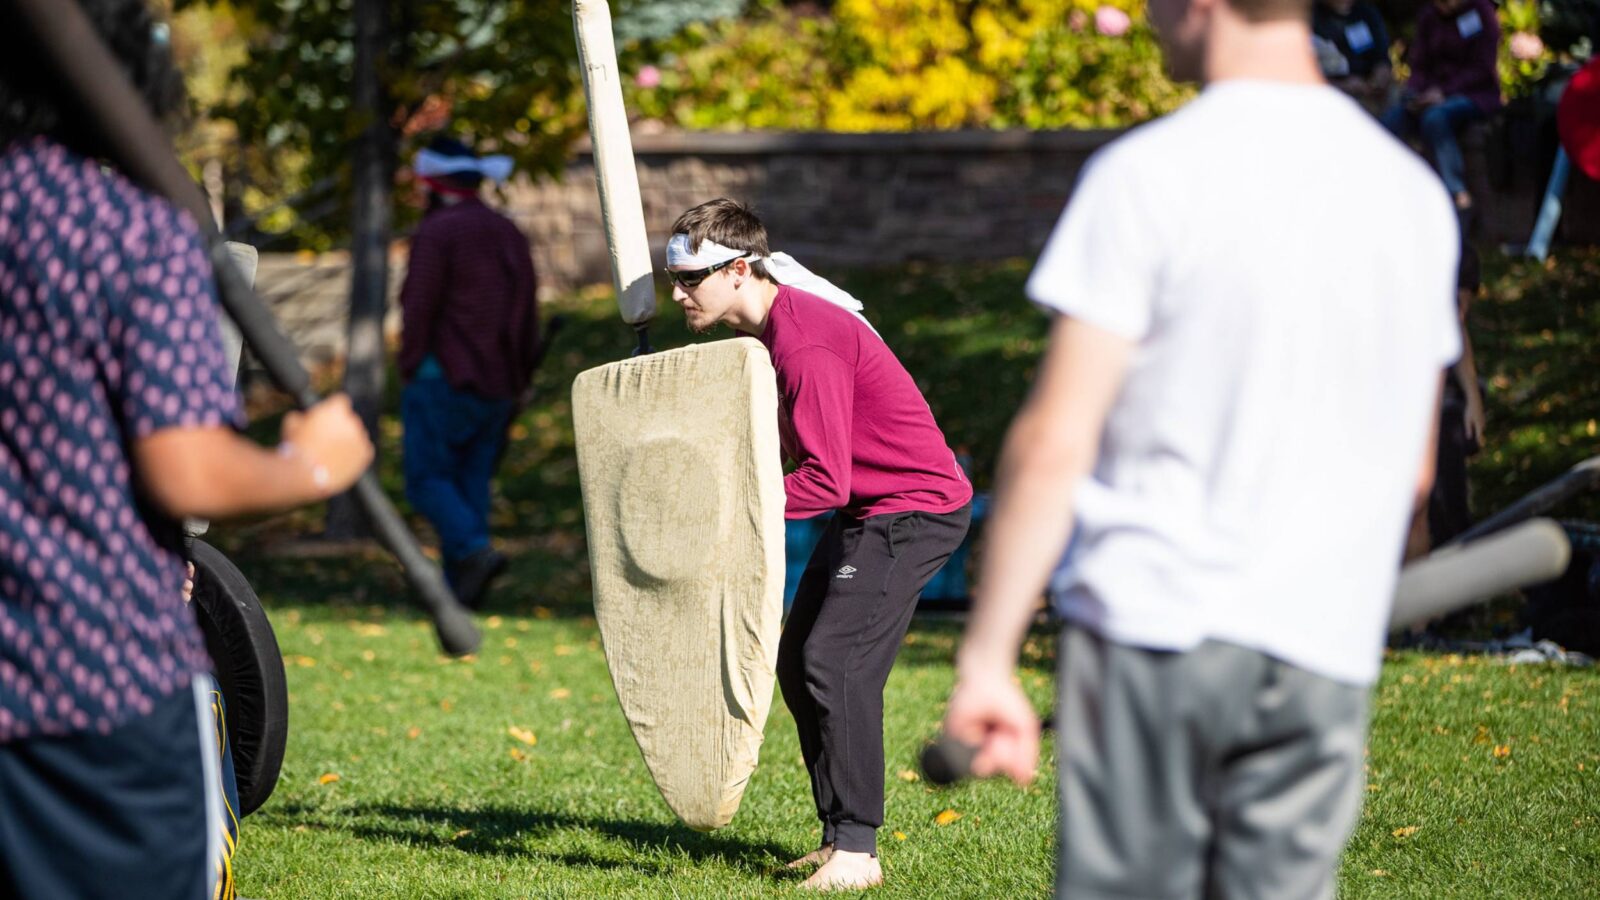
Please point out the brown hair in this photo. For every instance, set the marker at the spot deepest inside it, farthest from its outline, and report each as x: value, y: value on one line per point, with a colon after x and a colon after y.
x: 729, y: 223
x: 1269, y: 10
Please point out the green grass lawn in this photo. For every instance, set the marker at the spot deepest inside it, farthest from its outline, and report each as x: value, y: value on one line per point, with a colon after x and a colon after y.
x: 410, y: 775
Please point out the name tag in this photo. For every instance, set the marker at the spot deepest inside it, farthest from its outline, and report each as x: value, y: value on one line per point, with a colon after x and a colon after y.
x: 1469, y: 24
x: 1358, y: 36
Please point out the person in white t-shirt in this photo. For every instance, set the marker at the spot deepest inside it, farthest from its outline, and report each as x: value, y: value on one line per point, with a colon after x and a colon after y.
x: 1254, y: 299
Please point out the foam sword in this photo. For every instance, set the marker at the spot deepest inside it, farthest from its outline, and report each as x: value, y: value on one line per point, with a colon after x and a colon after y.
x: 621, y: 209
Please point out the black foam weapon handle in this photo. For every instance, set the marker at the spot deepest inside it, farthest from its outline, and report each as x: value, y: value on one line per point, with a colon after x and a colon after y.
x: 946, y: 760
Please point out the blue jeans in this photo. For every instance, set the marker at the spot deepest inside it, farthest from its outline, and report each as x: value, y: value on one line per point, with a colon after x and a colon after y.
x: 452, y: 441
x: 1439, y: 124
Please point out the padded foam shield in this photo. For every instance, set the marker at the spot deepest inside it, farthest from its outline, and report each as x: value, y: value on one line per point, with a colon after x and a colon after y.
x: 682, y: 479
x: 249, y: 670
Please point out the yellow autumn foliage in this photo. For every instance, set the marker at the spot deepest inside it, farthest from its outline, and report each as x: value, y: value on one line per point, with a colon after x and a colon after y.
x: 901, y: 65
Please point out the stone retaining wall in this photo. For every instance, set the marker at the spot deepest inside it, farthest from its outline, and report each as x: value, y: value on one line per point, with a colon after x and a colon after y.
x: 835, y: 201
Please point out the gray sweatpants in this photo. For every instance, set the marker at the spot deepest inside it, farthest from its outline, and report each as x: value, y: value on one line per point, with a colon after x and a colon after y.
x: 1216, y: 772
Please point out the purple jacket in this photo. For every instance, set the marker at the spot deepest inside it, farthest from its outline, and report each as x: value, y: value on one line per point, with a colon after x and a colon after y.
x: 1456, y: 53
x: 469, y: 299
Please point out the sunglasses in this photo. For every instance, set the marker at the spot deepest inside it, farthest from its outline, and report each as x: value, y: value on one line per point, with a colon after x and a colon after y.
x: 693, y: 277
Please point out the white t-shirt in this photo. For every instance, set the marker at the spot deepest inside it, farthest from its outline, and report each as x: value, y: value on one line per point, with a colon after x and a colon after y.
x: 1287, y: 271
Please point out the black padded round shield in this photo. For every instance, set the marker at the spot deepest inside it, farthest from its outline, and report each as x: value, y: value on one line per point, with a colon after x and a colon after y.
x: 250, y: 669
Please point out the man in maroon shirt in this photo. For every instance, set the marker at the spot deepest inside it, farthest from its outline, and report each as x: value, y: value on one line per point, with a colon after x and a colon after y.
x: 470, y: 331
x: 1453, y: 82
x: 866, y: 448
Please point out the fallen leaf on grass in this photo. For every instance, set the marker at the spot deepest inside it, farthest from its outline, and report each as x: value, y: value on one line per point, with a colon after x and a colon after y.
x: 1380, y: 873
x: 494, y: 622
x: 460, y: 834
x: 414, y: 733
x: 328, y: 778
x: 560, y: 694
x: 523, y: 735
x: 946, y: 817
x: 1501, y: 751
x: 899, y: 835
x: 908, y: 775
x: 563, y: 650
x: 1406, y: 831
x: 518, y: 755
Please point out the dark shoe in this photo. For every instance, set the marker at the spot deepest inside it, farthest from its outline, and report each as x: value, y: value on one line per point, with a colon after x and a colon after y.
x: 474, y: 574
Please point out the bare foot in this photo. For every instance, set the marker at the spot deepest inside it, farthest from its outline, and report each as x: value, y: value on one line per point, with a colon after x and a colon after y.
x: 815, y: 858
x: 846, y: 871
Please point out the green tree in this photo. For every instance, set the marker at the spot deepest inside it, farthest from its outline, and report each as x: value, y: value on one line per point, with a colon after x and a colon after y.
x: 502, y: 72
x: 330, y: 92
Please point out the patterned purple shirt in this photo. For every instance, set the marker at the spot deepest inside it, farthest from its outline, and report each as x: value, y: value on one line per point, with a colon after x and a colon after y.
x: 108, y: 333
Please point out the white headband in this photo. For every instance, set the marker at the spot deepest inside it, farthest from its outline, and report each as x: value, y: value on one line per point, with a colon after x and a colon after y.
x: 430, y: 164
x: 781, y: 266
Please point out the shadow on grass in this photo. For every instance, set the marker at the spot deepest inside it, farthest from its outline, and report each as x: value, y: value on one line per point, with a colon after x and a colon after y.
x: 506, y: 832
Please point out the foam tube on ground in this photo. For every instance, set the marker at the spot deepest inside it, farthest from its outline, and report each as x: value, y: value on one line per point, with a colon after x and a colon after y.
x: 1457, y: 577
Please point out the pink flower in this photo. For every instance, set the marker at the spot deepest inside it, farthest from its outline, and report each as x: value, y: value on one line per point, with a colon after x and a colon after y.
x: 1111, y: 22
x: 1526, y: 46
x: 648, y: 77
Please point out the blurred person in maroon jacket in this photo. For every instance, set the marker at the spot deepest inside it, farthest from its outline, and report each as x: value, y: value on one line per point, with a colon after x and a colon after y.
x: 470, y: 331
x: 1453, y: 82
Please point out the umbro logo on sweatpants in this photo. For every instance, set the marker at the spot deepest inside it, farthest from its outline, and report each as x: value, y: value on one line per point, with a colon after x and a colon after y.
x: 846, y: 571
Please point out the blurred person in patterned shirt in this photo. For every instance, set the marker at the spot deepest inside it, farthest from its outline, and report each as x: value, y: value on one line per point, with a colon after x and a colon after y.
x: 117, y: 420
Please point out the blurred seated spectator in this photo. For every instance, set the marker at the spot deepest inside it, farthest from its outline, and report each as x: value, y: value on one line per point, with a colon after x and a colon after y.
x: 1354, y: 49
x: 1453, y: 83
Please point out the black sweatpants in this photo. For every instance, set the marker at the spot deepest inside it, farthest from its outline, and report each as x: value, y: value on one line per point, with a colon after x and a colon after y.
x: 850, y: 613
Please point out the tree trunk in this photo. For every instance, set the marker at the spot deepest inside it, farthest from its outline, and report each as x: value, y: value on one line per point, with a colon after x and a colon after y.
x: 370, y: 233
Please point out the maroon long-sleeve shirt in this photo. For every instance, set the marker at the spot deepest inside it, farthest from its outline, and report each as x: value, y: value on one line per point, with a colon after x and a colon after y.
x: 1456, y: 53
x: 860, y: 432
x: 470, y: 300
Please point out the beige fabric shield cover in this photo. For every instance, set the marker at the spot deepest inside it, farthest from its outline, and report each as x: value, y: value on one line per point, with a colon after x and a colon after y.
x: 682, y: 481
